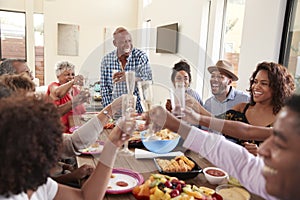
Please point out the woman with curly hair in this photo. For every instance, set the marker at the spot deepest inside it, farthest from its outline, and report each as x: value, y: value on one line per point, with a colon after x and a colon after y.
x: 30, y: 144
x: 270, y: 85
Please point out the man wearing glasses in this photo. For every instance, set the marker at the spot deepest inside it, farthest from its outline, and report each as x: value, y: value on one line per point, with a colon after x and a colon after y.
x: 15, y: 66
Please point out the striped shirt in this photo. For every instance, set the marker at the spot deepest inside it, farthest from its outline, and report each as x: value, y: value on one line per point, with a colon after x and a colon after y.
x: 137, y: 61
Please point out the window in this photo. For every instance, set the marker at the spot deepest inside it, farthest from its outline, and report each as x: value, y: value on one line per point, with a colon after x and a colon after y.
x: 290, y: 42
x: 38, y: 21
x: 232, y: 31
x: 146, y: 36
x: 13, y: 35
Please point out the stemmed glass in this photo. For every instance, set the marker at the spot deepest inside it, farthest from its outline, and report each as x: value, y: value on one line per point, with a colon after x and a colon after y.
x: 128, y: 106
x: 130, y: 81
x: 178, y: 99
x: 146, y: 96
x: 114, y: 92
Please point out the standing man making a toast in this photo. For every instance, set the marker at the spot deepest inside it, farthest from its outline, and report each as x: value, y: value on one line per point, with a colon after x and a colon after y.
x: 116, y: 63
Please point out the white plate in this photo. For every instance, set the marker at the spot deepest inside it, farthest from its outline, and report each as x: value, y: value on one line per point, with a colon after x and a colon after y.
x: 95, y: 148
x: 131, y: 178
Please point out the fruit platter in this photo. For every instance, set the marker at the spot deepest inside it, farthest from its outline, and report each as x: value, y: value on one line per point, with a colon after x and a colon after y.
x: 163, y: 187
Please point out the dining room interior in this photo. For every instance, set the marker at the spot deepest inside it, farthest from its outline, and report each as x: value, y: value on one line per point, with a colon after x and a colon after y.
x: 202, y: 33
x: 246, y: 33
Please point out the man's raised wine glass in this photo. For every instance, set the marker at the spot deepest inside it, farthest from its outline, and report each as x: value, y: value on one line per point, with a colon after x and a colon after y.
x: 146, y: 96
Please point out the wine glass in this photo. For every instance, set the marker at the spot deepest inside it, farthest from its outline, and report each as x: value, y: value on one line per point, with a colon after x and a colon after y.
x: 130, y: 81
x: 114, y: 92
x: 146, y: 96
x: 128, y: 108
x: 178, y: 99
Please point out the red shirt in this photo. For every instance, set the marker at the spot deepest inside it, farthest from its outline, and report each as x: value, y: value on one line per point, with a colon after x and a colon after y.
x: 76, y: 111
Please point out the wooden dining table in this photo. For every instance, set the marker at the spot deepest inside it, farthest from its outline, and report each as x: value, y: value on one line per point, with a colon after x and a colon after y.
x: 146, y: 167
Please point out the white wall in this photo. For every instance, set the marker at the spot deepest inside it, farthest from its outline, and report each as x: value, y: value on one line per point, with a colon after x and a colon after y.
x: 189, y: 15
x: 92, y: 16
x: 261, y: 37
x: 260, y: 40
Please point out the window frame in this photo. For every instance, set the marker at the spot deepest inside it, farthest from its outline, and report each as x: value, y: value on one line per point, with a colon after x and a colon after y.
x: 286, y: 38
x: 25, y: 37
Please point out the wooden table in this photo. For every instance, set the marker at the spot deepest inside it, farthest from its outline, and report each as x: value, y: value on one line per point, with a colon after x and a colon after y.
x: 146, y: 167
x: 78, y: 120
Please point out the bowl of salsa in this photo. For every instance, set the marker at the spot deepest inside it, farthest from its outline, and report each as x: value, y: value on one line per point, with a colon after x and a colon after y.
x: 215, y: 175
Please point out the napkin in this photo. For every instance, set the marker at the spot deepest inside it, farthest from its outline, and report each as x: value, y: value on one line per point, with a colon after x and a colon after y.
x: 143, y: 154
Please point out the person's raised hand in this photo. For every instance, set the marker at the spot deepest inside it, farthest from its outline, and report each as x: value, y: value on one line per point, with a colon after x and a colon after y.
x: 116, y: 105
x: 78, y: 80
x: 82, y: 97
x: 157, y: 117
x: 192, y: 103
x: 191, y: 116
x: 119, y: 77
x: 122, y: 131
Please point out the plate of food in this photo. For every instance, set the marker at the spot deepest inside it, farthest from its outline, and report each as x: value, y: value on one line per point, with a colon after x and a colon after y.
x: 110, y: 124
x: 88, y: 115
x: 123, y: 181
x: 181, y: 167
x: 160, y: 186
x: 95, y: 148
x: 135, y: 140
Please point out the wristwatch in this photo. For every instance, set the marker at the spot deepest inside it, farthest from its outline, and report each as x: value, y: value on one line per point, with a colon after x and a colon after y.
x: 105, y: 112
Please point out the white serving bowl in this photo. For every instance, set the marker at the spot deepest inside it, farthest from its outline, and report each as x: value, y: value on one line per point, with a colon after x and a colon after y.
x: 215, y: 178
x: 231, y: 192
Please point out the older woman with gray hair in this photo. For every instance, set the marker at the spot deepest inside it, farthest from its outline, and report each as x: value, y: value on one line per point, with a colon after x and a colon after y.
x: 66, y: 91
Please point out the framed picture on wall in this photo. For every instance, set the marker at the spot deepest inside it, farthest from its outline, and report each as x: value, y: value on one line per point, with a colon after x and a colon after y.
x: 67, y: 39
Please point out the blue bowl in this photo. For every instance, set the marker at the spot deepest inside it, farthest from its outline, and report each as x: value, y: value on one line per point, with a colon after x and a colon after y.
x: 159, y: 146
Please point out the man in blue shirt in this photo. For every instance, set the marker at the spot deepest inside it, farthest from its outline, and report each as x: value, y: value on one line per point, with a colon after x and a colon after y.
x: 116, y: 63
x: 224, y: 95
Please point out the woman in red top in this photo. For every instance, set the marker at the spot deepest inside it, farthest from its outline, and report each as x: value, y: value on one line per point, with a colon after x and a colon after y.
x: 64, y: 91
